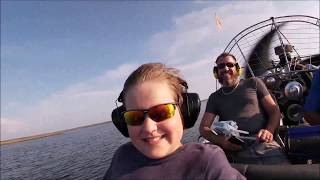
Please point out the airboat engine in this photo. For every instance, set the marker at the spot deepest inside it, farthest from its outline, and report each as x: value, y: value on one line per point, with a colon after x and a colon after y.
x: 294, y: 111
x: 293, y: 90
x: 283, y: 52
x: 292, y: 87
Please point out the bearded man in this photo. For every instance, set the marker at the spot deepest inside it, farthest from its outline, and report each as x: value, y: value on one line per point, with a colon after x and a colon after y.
x: 250, y: 105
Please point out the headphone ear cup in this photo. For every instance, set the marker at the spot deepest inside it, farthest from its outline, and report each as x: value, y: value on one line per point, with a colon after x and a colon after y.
x: 238, y: 69
x: 215, y: 72
x: 239, y: 72
x: 118, y: 120
x: 190, y: 109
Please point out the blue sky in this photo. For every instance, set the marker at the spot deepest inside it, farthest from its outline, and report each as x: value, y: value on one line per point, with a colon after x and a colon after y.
x: 63, y: 63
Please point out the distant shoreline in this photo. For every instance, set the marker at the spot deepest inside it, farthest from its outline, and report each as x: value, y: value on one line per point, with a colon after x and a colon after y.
x: 39, y: 136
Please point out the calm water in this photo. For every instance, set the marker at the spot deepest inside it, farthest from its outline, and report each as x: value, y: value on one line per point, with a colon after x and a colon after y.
x: 78, y: 154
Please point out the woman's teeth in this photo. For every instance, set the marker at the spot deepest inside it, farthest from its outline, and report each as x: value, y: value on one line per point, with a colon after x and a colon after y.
x: 152, y: 140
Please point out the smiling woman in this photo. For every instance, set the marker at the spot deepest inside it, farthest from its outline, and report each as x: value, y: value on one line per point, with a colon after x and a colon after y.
x: 155, y: 100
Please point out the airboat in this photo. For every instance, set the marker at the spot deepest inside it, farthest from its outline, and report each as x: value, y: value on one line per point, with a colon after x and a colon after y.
x: 284, y: 53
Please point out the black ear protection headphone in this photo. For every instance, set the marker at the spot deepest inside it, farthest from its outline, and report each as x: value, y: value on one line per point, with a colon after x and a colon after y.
x: 216, y: 75
x: 190, y: 110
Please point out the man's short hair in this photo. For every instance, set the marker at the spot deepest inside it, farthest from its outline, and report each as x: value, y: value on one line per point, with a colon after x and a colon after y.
x: 225, y: 54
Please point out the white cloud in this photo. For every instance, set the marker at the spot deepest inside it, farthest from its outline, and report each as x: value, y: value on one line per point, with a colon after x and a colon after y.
x: 192, y: 37
x: 199, y: 77
x: 121, y: 72
x: 79, y: 104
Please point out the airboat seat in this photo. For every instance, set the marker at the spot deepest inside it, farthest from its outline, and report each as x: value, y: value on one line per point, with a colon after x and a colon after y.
x: 283, y: 172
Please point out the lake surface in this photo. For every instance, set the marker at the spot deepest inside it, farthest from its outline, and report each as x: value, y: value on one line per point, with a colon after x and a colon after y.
x: 78, y: 154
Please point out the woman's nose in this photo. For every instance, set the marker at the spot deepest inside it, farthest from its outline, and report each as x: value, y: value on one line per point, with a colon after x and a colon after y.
x: 149, y: 125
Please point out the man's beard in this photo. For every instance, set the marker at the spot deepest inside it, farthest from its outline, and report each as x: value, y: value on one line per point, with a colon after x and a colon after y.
x: 226, y: 82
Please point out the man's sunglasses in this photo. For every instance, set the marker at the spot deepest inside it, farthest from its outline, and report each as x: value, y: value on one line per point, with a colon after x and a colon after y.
x: 229, y: 65
x: 156, y: 113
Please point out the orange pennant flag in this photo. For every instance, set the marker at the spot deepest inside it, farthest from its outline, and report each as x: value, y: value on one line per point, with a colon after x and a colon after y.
x: 218, y: 22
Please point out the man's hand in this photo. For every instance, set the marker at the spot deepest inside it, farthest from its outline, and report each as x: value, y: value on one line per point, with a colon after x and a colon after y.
x: 227, y: 145
x: 220, y: 140
x: 265, y: 135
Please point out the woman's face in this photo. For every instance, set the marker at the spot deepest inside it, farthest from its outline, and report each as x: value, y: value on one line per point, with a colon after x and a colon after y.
x: 154, y: 139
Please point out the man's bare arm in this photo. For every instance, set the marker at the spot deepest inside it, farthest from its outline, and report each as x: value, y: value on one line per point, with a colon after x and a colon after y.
x: 274, y: 115
x: 205, y: 126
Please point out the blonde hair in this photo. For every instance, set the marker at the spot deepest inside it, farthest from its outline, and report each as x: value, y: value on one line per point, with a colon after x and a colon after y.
x: 157, y: 71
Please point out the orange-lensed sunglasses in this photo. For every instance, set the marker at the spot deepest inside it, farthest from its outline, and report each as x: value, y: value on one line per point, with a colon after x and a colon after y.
x: 157, y: 113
